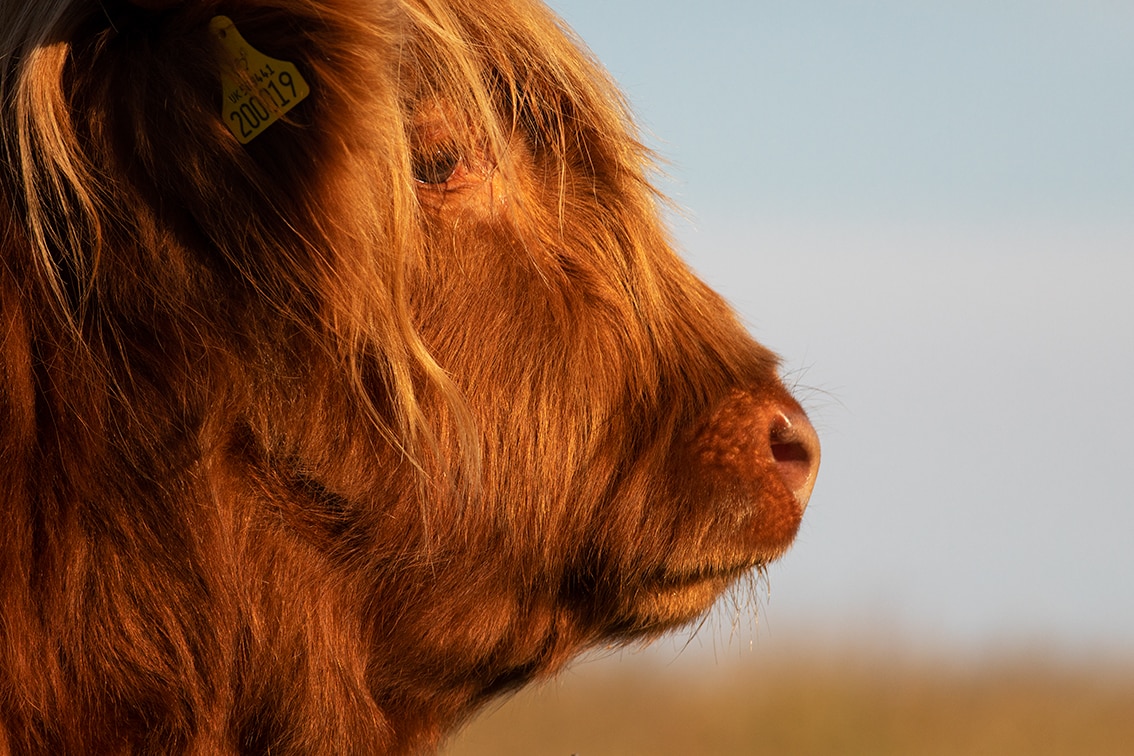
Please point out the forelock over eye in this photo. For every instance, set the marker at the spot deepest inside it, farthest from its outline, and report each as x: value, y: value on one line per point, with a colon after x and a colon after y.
x: 435, y: 165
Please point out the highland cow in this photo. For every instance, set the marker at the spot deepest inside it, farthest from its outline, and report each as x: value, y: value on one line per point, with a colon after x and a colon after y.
x: 347, y: 378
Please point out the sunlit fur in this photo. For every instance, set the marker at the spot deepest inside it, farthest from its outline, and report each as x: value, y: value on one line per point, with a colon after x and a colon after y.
x: 299, y: 455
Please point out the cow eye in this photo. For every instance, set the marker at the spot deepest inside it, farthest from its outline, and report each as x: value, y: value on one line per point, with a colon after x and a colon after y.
x: 436, y: 165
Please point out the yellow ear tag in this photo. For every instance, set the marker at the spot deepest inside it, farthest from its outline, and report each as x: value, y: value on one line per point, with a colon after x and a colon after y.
x: 258, y: 90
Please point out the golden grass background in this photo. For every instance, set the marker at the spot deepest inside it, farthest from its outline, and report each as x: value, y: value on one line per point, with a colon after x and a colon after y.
x: 818, y: 700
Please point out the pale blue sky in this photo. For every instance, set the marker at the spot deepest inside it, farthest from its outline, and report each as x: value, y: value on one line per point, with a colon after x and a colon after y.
x: 923, y: 109
x: 928, y: 209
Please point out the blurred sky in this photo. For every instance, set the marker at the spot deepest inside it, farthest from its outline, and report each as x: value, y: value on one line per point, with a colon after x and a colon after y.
x: 928, y: 209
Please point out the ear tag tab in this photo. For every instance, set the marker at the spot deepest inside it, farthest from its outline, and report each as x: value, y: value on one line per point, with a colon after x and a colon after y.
x: 258, y: 90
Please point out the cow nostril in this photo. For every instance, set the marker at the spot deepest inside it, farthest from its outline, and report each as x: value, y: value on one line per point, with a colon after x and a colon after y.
x: 795, y: 449
x: 790, y: 452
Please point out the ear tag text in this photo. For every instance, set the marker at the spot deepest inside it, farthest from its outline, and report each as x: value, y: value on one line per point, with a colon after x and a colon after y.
x: 258, y: 90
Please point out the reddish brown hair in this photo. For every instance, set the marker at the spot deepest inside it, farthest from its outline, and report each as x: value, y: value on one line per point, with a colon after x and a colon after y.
x: 314, y: 444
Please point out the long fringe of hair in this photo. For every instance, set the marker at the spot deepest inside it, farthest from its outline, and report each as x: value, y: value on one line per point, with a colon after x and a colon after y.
x: 74, y: 132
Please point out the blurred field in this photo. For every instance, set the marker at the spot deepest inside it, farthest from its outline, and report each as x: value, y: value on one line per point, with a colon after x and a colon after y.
x: 833, y: 702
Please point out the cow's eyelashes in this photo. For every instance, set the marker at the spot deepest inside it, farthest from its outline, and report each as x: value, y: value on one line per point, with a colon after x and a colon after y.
x: 436, y: 165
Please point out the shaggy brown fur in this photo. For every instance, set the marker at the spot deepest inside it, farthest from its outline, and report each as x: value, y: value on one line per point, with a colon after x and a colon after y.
x: 314, y: 444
